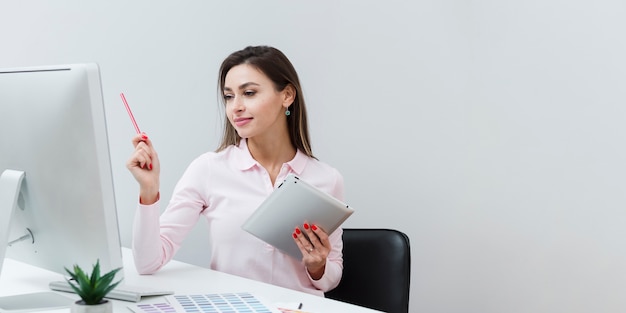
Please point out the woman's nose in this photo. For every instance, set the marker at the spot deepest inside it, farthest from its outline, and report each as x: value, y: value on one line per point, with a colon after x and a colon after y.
x: 237, y: 104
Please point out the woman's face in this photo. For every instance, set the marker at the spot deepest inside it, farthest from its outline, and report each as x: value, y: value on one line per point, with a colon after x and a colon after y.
x: 253, y: 105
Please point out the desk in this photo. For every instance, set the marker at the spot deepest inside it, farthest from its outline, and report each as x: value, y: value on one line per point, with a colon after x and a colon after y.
x: 18, y: 278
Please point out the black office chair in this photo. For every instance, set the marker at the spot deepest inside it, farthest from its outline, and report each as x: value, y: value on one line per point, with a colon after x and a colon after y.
x: 376, y: 270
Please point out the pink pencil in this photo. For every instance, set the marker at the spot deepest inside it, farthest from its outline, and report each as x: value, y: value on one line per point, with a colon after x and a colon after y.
x: 130, y: 113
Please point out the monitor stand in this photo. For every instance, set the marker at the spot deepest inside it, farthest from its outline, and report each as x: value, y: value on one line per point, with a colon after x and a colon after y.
x: 33, y: 302
x: 10, y: 185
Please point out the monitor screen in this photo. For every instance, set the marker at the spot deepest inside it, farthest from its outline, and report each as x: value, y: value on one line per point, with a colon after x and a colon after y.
x: 54, y: 135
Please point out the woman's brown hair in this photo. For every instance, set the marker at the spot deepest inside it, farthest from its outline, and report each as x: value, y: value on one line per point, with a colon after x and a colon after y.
x: 275, y: 65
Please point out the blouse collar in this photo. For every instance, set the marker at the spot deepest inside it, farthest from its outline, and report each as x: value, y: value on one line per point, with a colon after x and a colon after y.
x: 244, y: 161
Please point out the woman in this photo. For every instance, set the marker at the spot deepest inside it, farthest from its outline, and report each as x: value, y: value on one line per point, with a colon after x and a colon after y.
x: 265, y: 138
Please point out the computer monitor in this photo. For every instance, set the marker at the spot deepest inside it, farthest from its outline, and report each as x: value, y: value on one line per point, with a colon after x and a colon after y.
x: 56, y: 185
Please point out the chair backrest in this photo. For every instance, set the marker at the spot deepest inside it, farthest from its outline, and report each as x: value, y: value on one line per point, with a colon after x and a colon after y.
x: 376, y: 270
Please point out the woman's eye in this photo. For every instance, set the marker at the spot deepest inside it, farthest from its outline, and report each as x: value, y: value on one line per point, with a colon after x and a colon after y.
x: 249, y: 93
x: 228, y: 97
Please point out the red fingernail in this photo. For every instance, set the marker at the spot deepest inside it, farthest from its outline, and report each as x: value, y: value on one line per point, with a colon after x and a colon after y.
x: 298, y: 231
x: 313, y: 227
x: 306, y: 226
x: 294, y: 235
x: 150, y: 166
x: 144, y: 136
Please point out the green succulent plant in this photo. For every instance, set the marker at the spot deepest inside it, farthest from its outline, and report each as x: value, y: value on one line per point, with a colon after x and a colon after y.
x: 92, y: 288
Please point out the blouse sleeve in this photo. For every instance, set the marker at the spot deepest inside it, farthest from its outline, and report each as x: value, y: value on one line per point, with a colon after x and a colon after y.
x: 156, y: 239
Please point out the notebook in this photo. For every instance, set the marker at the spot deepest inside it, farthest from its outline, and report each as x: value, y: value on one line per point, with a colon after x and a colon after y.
x: 289, y: 206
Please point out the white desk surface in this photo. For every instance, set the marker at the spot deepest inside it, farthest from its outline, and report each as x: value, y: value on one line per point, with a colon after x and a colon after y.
x: 182, y: 278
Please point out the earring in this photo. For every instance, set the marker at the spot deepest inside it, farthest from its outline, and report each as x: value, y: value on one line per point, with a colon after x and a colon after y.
x: 287, y: 112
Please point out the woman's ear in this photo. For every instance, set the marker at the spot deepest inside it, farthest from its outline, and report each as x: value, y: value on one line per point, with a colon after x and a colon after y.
x: 289, y: 95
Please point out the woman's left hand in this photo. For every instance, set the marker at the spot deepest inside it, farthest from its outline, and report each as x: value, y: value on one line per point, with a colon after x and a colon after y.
x: 314, y: 250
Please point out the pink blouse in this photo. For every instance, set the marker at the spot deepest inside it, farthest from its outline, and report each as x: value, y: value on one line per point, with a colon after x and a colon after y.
x: 226, y: 187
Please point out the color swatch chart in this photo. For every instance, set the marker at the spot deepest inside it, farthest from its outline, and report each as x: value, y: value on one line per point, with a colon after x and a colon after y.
x: 242, y: 302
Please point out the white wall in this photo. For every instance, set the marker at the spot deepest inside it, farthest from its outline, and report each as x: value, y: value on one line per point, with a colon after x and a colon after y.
x: 491, y: 132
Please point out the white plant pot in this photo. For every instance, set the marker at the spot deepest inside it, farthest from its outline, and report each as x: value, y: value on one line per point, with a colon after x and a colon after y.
x: 104, y: 307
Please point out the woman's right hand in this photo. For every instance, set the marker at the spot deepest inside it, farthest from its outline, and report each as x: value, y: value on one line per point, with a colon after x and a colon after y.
x: 145, y: 167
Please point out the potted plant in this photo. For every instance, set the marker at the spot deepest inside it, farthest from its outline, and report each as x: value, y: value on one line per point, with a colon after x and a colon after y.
x: 92, y: 289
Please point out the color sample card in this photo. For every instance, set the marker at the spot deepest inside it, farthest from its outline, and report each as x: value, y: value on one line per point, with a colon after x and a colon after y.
x: 242, y: 302
x: 153, y: 308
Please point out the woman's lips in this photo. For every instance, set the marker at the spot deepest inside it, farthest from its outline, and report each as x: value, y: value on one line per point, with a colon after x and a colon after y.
x: 241, y: 121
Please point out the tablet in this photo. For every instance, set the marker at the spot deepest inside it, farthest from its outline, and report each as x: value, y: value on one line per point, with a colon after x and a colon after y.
x: 289, y: 206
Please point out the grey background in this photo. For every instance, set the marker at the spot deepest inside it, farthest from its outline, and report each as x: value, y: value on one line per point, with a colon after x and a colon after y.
x: 491, y: 132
